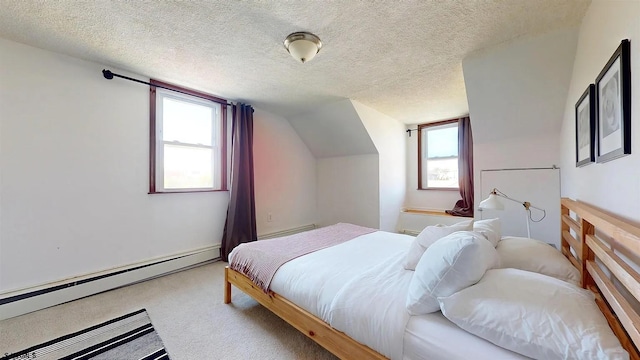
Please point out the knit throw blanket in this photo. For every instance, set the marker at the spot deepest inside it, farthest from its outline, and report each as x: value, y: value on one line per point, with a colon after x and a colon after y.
x: 259, y: 260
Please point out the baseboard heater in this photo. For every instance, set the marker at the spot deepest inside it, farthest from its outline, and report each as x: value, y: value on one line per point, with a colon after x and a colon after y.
x: 23, y: 301
x: 410, y: 232
x: 412, y: 221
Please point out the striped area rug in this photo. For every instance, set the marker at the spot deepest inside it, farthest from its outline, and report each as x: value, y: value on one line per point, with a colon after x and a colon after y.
x: 131, y: 336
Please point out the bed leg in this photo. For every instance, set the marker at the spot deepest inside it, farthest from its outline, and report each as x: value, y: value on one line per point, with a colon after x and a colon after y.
x: 227, y: 286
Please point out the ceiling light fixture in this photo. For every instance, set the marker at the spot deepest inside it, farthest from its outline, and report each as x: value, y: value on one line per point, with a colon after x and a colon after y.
x: 303, y: 46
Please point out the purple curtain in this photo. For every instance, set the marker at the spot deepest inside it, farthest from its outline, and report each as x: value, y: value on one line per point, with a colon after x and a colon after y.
x: 464, y: 206
x: 240, y: 226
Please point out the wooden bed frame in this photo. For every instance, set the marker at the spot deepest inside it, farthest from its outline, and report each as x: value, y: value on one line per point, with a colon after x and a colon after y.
x: 319, y: 331
x: 583, y: 227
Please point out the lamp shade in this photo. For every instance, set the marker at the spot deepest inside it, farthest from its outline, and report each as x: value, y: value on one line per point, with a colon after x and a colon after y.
x: 303, y: 46
x: 491, y: 203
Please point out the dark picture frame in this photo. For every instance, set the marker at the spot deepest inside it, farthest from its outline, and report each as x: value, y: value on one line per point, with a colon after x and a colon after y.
x: 586, y: 127
x: 613, y: 97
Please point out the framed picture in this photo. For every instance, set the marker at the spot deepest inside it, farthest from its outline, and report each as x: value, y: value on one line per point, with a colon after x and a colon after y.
x: 613, y: 96
x: 586, y: 127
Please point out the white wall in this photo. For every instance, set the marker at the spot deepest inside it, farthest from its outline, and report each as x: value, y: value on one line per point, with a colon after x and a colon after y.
x: 285, y: 175
x: 347, y: 165
x: 613, y: 186
x: 334, y: 129
x: 348, y: 190
x: 540, y: 150
x: 389, y: 137
x: 537, y: 151
x: 360, y: 163
x: 74, y: 153
x: 519, y: 87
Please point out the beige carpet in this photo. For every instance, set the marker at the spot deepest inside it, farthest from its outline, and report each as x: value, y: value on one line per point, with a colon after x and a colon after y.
x: 186, y: 310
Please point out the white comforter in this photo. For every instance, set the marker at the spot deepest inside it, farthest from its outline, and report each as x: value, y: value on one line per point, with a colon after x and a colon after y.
x: 380, y: 291
x: 313, y: 281
x: 360, y: 287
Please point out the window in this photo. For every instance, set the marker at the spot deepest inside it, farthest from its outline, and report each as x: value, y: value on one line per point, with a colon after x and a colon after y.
x: 188, y: 142
x: 438, y: 155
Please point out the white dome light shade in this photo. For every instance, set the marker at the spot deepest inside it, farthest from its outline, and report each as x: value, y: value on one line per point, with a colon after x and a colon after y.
x: 303, y: 46
x: 303, y: 50
x: 491, y: 203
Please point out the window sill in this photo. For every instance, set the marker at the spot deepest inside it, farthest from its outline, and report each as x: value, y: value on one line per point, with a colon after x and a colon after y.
x: 426, y: 212
x: 184, y: 191
x: 443, y: 189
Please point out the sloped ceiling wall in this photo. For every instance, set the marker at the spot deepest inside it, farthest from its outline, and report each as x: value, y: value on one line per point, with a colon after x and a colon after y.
x: 516, y: 95
x: 334, y: 130
x: 520, y: 88
x: 361, y: 163
x: 389, y: 136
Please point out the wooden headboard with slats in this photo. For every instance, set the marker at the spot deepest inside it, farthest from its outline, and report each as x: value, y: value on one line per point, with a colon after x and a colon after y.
x: 595, y: 243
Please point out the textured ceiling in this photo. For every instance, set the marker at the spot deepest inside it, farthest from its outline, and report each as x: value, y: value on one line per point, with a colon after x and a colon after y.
x: 402, y: 58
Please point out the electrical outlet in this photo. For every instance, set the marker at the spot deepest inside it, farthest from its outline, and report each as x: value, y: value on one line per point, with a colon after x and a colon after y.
x: 269, y: 217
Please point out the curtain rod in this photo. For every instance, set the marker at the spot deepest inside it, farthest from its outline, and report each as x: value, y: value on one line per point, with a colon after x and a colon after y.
x: 109, y: 75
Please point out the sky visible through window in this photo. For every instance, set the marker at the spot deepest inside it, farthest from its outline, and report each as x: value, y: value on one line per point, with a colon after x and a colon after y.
x: 442, y: 142
x: 440, y: 158
x: 186, y: 122
x: 190, y: 124
x: 187, y: 167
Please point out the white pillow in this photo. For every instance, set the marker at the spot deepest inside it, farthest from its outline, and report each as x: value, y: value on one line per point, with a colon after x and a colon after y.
x: 490, y: 228
x: 449, y: 265
x: 537, y: 256
x: 428, y: 236
x: 534, y: 315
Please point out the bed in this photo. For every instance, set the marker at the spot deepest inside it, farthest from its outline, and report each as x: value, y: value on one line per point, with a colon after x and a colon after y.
x: 339, y: 288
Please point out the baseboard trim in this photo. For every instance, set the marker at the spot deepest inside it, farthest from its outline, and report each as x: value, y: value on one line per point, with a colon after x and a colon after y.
x: 287, y: 232
x: 23, y: 301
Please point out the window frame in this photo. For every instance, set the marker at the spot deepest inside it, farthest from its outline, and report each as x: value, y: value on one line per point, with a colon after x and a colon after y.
x: 428, y: 125
x: 153, y: 136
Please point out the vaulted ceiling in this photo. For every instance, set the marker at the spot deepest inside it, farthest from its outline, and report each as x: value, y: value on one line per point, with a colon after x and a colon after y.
x: 402, y: 58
